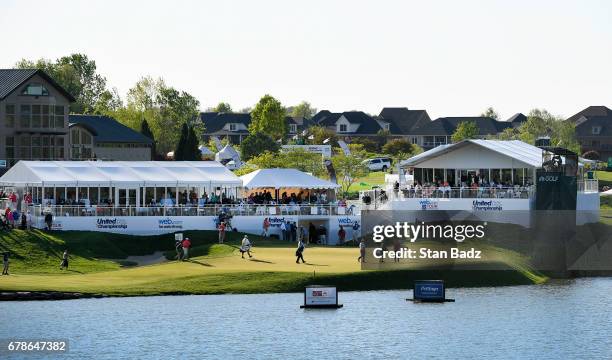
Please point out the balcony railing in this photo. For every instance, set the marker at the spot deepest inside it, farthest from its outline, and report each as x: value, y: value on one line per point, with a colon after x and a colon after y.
x: 588, y: 185
x: 379, y: 197
x: 208, y: 210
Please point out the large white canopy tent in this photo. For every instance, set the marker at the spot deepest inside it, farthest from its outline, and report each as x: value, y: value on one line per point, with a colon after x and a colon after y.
x: 137, y: 176
x: 289, y: 180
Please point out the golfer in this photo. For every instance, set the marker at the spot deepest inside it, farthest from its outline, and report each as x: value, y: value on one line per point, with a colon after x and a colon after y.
x: 64, y: 263
x: 246, y: 247
x: 299, y: 253
x: 5, y: 262
x: 266, y: 226
x: 362, y: 251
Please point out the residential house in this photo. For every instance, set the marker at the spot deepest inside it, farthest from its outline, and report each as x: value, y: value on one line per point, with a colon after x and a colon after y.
x: 33, y: 117
x: 104, y: 138
x: 594, y: 130
x: 439, y: 131
x: 235, y: 126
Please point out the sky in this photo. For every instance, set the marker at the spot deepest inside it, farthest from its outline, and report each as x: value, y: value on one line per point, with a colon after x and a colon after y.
x: 451, y: 58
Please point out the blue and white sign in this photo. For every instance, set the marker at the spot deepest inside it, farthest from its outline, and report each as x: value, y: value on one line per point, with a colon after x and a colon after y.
x: 429, y: 290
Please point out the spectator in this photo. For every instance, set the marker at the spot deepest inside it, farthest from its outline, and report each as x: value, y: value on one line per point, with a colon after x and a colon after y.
x: 341, y: 235
x: 283, y: 229
x: 293, y: 231
x: 5, y: 262
x: 186, y: 244
x: 266, y: 226
x: 221, y: 232
x: 355, y: 231
x: 312, y: 233
x: 49, y: 220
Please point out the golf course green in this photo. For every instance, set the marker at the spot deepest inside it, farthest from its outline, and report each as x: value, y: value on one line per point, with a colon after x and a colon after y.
x: 125, y: 265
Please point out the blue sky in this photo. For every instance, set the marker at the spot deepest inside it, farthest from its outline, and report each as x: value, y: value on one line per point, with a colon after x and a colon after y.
x: 451, y: 58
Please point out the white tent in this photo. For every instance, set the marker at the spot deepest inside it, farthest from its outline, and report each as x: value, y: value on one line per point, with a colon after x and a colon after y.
x: 606, y: 193
x: 227, y: 153
x: 124, y: 173
x: 284, y: 178
x: 205, y: 150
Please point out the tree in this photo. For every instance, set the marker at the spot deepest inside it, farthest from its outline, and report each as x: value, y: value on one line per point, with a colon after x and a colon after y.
x: 192, y: 150
x: 257, y: 143
x: 490, y: 112
x: 382, y: 136
x: 465, y: 130
x: 591, y: 155
x: 542, y: 123
x: 146, y: 131
x: 222, y: 107
x: 303, y: 109
x: 179, y: 151
x: 165, y: 109
x: 394, y: 147
x: 349, y: 167
x: 320, y: 134
x: 269, y: 117
x: 369, y: 145
x: 508, y: 134
x: 77, y: 74
x: 108, y: 102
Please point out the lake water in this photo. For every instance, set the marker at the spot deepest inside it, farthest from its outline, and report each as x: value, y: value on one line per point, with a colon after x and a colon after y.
x: 561, y: 320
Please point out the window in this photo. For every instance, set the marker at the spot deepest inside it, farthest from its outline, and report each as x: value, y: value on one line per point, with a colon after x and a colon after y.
x: 10, y: 147
x: 35, y: 116
x: 74, y: 136
x: 10, y: 115
x: 45, y: 117
x: 293, y: 128
x: 386, y: 127
x: 342, y: 128
x: 24, y: 116
x: 35, y: 90
x: 414, y: 140
x: 232, y: 127
x: 59, y: 117
x: 596, y: 130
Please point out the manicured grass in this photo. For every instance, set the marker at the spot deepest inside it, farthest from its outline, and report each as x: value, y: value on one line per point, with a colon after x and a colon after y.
x: 215, y: 268
x: 366, y: 182
x: 605, y: 178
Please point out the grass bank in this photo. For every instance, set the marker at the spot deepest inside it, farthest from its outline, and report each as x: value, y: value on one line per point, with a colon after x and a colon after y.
x: 214, y: 269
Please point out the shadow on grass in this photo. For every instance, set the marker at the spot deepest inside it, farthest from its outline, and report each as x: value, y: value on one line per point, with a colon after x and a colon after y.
x: 311, y: 264
x: 200, y: 263
x: 262, y: 261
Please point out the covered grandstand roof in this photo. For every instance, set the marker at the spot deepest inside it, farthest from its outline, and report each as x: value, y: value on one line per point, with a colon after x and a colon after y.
x: 515, y: 150
x: 119, y: 173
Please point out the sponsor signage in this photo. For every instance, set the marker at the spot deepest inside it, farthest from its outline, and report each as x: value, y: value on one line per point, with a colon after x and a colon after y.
x: 111, y: 223
x: 487, y: 205
x: 429, y: 290
x: 317, y: 295
x: 324, y: 150
x: 428, y: 204
x: 167, y: 223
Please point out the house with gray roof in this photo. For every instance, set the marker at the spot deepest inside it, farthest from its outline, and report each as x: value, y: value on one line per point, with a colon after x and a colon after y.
x: 594, y: 130
x: 439, y: 131
x: 33, y: 117
x: 104, y: 138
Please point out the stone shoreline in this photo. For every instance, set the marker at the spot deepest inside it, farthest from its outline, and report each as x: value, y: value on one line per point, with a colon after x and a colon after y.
x: 45, y: 295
